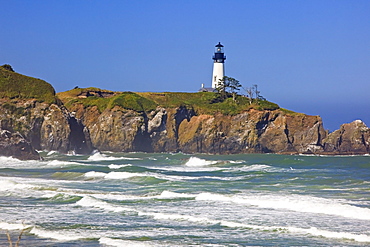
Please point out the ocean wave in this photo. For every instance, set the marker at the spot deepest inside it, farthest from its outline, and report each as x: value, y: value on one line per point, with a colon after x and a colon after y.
x: 115, y: 167
x: 236, y: 161
x: 306, y: 204
x: 173, y: 195
x: 51, y: 153
x: 60, y: 163
x: 88, y: 201
x: 252, y: 168
x: 180, y: 217
x: 10, y: 185
x: 102, y: 157
x: 128, y: 175
x: 197, y: 162
x: 10, y: 162
x: 4, y: 159
x: 312, y: 231
x: 188, y: 169
x: 58, y: 235
x: 163, y: 195
x: 121, y: 242
x: 13, y: 226
x: 329, y: 234
x: 114, y: 175
x: 63, y: 197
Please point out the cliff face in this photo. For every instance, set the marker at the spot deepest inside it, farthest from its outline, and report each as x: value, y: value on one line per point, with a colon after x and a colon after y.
x: 253, y: 131
x: 180, y: 129
x: 173, y: 129
x: 31, y: 117
x: 45, y: 126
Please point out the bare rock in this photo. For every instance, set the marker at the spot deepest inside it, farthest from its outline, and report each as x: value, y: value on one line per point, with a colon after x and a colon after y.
x: 351, y: 138
x: 15, y: 145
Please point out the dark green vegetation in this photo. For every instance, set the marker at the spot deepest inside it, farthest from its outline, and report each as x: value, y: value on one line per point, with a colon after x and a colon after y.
x: 17, y: 86
x: 105, y: 99
x: 202, y: 102
x: 208, y: 102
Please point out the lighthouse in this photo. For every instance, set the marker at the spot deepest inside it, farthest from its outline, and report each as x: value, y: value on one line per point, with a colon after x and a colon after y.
x: 218, y: 65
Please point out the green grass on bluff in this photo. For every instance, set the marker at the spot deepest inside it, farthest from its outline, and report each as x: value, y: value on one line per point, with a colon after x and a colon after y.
x: 17, y: 86
x: 202, y: 102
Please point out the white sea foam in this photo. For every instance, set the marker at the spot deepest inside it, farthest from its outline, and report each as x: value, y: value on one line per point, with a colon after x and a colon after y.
x: 94, y: 174
x: 88, y: 201
x: 197, y: 162
x: 329, y: 234
x: 113, y: 166
x: 113, y: 175
x: 297, y: 203
x: 58, y: 235
x: 127, y: 175
x: 251, y: 168
x: 312, y: 231
x: 236, y: 161
x: 188, y: 169
x: 9, y: 162
x: 4, y: 159
x: 123, y: 243
x: 10, y: 185
x: 59, y: 163
x: 164, y: 195
x: 171, y: 195
x: 10, y: 226
x: 101, y: 157
x: 124, y: 175
x: 92, y: 202
x: 51, y: 153
x: 163, y: 216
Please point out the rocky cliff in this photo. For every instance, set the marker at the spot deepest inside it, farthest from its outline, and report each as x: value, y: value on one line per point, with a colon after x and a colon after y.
x: 191, y: 129
x: 80, y: 120
x: 31, y: 115
x: 181, y: 129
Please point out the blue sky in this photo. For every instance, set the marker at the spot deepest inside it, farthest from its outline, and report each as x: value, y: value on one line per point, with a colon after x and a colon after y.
x: 307, y: 56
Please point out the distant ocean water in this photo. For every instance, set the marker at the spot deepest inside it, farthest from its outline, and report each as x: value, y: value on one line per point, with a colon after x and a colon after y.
x: 143, y: 199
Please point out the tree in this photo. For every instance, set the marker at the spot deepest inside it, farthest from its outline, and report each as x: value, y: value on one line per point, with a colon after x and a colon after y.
x: 228, y: 85
x: 250, y: 93
x: 253, y: 93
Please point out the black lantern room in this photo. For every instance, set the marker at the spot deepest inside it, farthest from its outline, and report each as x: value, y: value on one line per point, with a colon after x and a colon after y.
x: 219, y: 56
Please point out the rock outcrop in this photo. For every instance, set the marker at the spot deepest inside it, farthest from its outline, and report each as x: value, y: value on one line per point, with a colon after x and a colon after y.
x: 45, y: 126
x: 32, y: 117
x: 351, y: 138
x: 15, y: 145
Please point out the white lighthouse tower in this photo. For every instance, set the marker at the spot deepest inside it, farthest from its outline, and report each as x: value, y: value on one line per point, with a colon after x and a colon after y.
x: 218, y: 65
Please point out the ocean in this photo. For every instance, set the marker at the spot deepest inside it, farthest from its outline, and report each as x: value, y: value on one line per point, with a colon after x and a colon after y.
x: 165, y: 199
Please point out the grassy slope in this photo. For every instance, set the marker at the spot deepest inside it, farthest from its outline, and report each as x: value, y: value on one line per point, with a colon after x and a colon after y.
x: 14, y: 85
x: 201, y: 102
x: 126, y: 100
